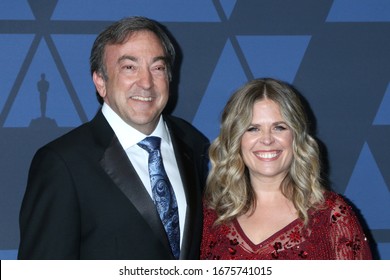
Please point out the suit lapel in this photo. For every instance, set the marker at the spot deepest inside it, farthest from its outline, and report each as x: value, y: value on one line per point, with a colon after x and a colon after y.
x: 117, y: 165
x: 185, y: 162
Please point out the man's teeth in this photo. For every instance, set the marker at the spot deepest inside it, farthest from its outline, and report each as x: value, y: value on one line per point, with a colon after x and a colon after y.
x: 140, y: 98
x: 268, y: 155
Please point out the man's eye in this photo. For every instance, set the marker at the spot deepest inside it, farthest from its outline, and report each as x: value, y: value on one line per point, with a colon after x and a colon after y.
x: 160, y: 68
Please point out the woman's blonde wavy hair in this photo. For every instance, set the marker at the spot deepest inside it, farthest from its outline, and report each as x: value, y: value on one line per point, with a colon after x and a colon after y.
x: 228, y: 190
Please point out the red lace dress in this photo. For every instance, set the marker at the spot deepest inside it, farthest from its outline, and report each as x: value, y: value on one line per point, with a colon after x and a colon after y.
x: 333, y: 232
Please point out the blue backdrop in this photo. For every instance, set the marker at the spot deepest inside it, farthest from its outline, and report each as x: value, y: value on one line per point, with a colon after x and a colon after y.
x: 336, y: 53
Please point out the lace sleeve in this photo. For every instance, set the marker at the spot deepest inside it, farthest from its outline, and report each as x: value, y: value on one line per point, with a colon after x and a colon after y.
x: 347, y: 236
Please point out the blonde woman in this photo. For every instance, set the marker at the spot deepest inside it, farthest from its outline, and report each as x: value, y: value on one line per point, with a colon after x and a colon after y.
x: 264, y: 197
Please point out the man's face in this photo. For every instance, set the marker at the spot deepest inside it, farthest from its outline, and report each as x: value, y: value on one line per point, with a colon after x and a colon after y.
x: 137, y: 88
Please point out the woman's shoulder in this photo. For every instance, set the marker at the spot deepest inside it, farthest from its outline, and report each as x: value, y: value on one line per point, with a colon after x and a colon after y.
x: 334, y: 199
x: 209, y: 214
x: 337, y: 205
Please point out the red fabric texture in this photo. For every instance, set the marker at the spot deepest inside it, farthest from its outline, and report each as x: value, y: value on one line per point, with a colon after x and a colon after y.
x: 333, y: 232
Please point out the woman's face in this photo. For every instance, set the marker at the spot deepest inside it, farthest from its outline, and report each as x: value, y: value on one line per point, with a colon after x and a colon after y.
x: 266, y: 146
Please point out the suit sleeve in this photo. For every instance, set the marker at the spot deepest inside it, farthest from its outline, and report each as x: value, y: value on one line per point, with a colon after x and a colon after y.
x: 49, y: 216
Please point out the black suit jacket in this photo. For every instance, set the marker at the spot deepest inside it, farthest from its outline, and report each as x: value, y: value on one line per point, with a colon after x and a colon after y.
x: 84, y: 200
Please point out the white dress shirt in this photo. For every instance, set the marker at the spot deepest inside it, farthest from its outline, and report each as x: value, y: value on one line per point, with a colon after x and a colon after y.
x: 129, y: 137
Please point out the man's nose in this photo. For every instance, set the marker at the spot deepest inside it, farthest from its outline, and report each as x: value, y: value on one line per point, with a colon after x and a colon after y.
x: 145, y: 79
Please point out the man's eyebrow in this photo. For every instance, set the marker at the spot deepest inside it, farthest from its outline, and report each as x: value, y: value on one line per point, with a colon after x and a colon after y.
x: 163, y: 58
x: 127, y: 57
x: 133, y: 58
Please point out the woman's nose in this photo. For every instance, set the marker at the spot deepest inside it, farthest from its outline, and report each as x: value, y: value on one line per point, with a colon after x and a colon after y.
x: 266, y: 138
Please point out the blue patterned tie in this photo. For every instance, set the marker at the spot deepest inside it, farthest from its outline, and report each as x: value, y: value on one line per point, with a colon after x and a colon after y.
x: 163, y: 194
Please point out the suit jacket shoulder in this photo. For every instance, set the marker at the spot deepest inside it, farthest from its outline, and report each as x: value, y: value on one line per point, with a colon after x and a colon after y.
x: 95, y: 133
x: 187, y: 132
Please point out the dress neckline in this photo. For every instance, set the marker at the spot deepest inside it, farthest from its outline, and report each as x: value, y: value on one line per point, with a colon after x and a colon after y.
x: 241, y: 232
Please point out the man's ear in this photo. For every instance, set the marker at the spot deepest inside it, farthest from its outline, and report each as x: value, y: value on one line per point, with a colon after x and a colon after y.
x: 100, y: 83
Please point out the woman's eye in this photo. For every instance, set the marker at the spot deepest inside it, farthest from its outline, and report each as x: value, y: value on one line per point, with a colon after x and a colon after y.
x: 252, y: 129
x: 280, y: 128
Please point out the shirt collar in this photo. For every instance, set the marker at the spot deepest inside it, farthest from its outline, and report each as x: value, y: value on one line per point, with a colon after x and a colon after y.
x: 127, y: 135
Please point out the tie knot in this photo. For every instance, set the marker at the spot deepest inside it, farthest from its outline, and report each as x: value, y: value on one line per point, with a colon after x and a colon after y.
x: 150, y: 144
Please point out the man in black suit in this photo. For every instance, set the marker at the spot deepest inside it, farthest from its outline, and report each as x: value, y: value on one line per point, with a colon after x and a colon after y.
x: 89, y: 193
